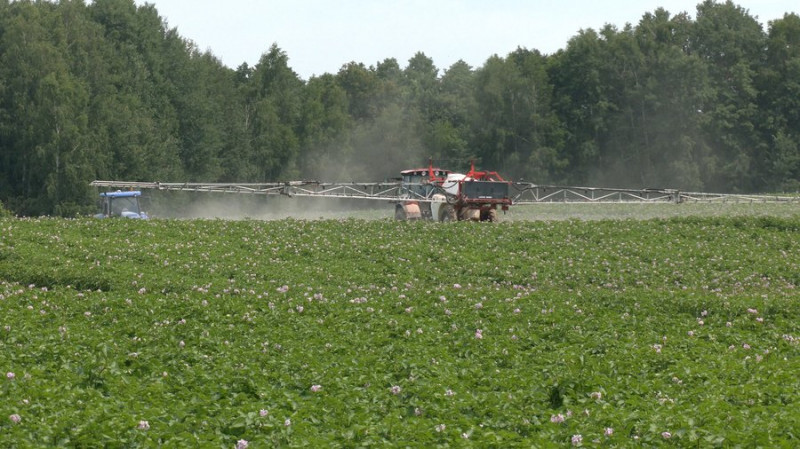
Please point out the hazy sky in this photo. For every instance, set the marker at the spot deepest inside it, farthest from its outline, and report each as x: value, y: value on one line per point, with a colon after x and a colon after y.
x: 319, y: 36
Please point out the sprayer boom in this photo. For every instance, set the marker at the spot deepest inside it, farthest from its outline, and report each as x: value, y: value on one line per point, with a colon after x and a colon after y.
x: 379, y: 191
x: 520, y: 192
x: 529, y: 193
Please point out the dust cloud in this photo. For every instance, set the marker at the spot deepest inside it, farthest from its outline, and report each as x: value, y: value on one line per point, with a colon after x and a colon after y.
x: 231, y: 206
x: 228, y: 206
x: 643, y: 211
x: 373, y: 151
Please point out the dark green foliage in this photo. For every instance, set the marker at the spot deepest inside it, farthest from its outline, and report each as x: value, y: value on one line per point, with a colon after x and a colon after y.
x: 4, y: 213
x: 704, y: 100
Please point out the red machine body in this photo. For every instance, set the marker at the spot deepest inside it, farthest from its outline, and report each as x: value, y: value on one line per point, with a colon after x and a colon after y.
x: 450, y: 196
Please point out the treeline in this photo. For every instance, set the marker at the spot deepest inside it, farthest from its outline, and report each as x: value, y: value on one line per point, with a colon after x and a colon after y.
x: 107, y: 90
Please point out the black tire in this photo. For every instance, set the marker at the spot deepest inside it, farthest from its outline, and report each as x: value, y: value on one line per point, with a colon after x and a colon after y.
x: 425, y: 210
x: 447, y: 213
x: 489, y: 215
x: 399, y: 213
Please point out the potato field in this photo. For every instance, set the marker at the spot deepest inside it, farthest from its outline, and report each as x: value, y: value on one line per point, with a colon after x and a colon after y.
x: 659, y: 332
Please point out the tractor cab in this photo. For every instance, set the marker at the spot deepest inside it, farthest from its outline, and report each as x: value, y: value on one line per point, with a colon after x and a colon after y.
x: 421, y: 181
x: 121, y: 204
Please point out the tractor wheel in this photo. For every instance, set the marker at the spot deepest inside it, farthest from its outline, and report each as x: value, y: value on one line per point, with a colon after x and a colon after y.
x: 425, y: 211
x: 469, y: 214
x: 399, y: 213
x: 447, y: 213
x: 489, y: 215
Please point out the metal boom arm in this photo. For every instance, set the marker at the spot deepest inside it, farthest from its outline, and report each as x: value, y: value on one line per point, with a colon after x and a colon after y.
x: 379, y: 191
x: 528, y: 193
x: 520, y: 192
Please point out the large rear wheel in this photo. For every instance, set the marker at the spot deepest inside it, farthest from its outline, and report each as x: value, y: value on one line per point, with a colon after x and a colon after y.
x: 447, y: 213
x: 489, y: 215
x: 399, y: 212
x: 469, y: 214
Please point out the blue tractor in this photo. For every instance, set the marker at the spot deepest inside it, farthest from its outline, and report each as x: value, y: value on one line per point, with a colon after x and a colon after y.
x: 121, y: 204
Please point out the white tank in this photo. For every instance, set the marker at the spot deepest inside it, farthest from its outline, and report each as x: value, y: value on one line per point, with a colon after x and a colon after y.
x: 450, y: 185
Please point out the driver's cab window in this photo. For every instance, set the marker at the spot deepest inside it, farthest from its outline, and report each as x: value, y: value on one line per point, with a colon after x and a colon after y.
x: 116, y: 207
x: 121, y: 205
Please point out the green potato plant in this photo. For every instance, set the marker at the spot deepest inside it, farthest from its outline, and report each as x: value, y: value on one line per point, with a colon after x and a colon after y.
x: 354, y: 333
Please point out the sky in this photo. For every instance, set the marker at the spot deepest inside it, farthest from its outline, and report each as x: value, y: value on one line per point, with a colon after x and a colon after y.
x: 320, y: 36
